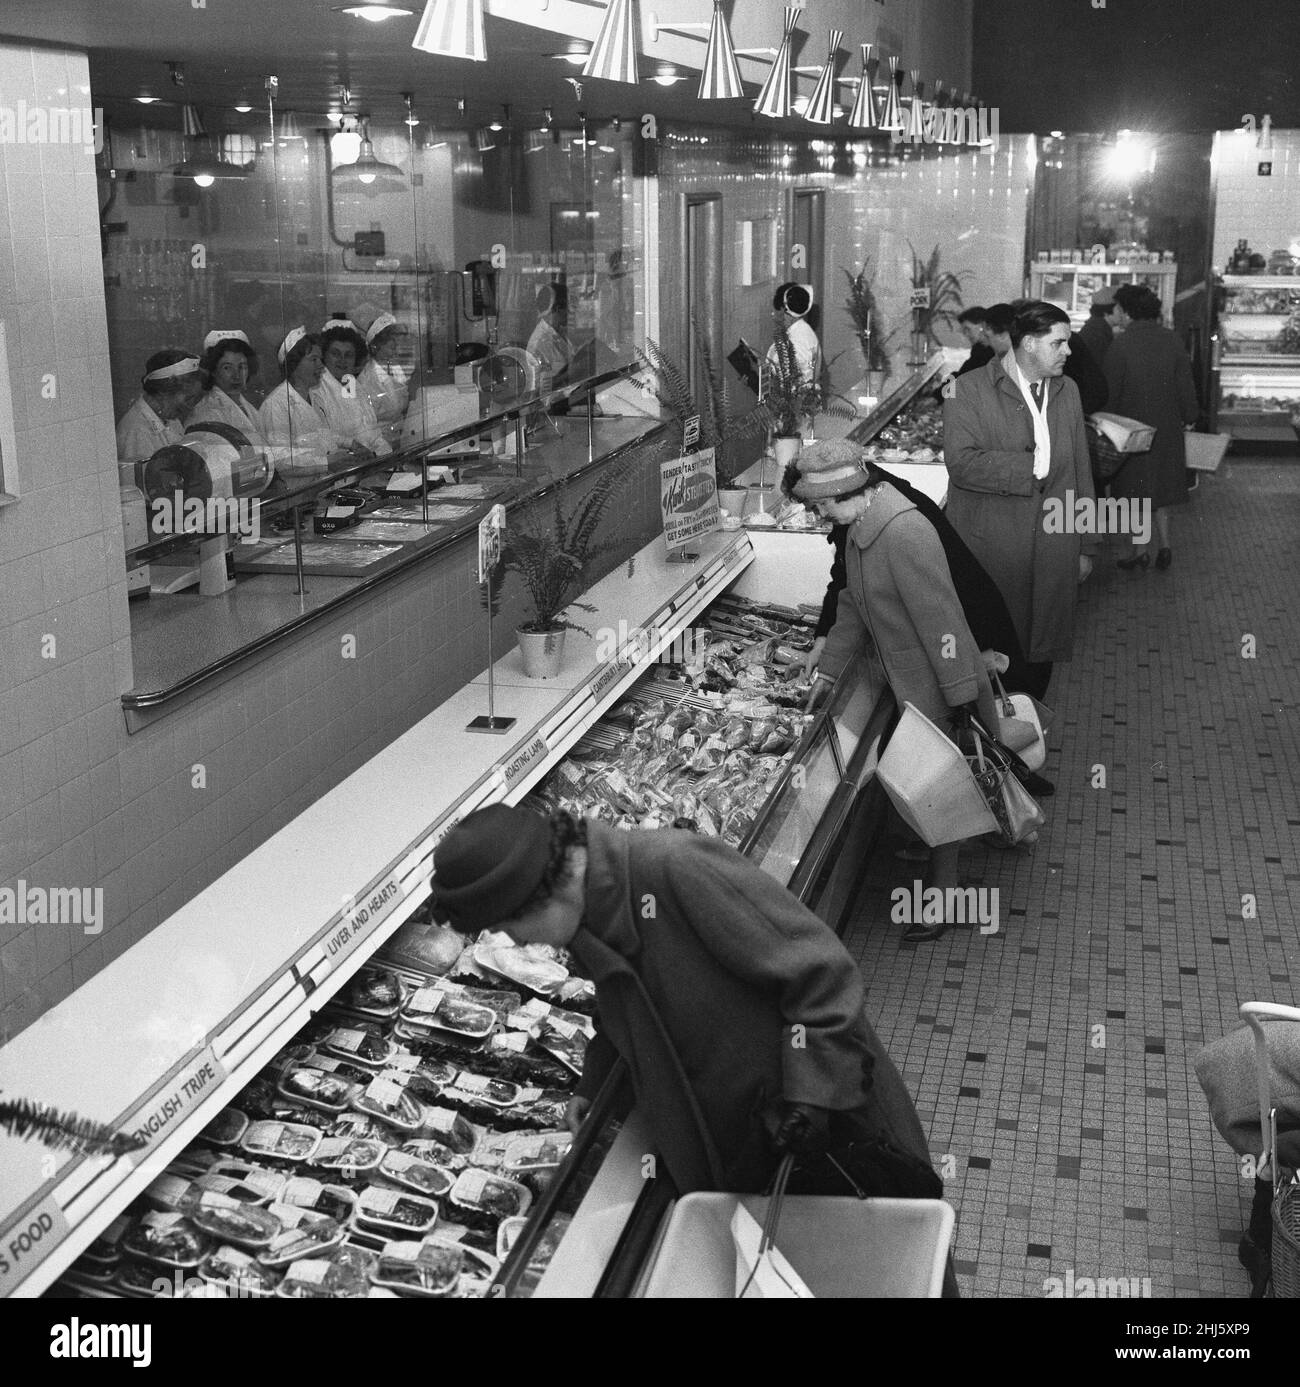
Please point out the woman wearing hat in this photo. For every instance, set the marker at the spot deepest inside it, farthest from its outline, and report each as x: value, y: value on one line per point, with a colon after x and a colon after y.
x: 338, y: 398
x: 385, y: 380
x: 170, y: 386
x: 738, y: 1012
x: 899, y: 595
x: 229, y: 363
x: 289, y: 419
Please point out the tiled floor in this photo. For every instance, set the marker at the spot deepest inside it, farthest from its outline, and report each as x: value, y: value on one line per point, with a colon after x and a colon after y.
x: 1051, y: 1060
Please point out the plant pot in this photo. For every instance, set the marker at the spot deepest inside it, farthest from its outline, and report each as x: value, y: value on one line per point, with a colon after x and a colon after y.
x: 785, y: 450
x: 732, y: 500
x: 542, y: 652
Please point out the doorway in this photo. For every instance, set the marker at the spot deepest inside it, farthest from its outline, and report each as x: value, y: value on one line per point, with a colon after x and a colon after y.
x: 702, y: 300
x: 808, y: 229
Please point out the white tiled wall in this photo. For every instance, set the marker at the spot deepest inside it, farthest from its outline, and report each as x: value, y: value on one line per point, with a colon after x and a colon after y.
x: 1263, y: 210
x: 64, y: 631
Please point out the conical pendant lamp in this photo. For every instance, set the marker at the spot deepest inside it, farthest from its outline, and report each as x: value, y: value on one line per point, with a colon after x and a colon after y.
x: 720, y: 80
x: 892, y: 120
x: 821, y: 105
x: 453, y: 29
x: 915, y: 121
x: 613, y: 55
x: 774, y: 99
x: 866, y: 110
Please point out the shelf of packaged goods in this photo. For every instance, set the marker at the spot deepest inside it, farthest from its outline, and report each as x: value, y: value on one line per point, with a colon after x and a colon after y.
x: 161, y: 1039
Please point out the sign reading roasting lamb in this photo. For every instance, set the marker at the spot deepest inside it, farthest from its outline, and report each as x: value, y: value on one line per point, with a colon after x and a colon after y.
x: 688, y: 496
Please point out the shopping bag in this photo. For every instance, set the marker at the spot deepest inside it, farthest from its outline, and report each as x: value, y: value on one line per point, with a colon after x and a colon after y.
x: 1128, y: 435
x: 762, y: 1273
x: 1017, y: 813
x: 1021, y: 710
x: 1205, y: 450
x: 929, y: 782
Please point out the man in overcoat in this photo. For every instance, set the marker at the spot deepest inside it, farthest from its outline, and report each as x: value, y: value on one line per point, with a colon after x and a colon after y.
x: 1017, y: 457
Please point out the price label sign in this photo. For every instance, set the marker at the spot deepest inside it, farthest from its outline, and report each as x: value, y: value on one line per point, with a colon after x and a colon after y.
x: 920, y: 297
x: 690, y: 433
x: 490, y: 531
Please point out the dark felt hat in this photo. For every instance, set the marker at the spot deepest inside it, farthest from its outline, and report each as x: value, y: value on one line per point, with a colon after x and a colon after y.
x: 488, y: 866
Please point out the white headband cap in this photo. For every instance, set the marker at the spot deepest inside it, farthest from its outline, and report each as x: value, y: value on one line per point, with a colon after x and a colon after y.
x: 339, y: 322
x: 381, y: 323
x: 186, y: 367
x: 223, y: 335
x: 291, y: 340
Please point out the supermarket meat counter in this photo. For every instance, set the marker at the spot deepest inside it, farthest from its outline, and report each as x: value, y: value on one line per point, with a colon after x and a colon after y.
x: 410, y: 1141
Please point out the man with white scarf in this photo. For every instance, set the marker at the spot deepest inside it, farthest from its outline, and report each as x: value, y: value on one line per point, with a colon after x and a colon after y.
x: 1016, y: 451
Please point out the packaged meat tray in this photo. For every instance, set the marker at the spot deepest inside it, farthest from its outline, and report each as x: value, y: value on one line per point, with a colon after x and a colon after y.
x: 381, y: 1210
x: 412, y: 1173
x: 316, y: 1088
x: 286, y: 1141
x: 374, y: 992
x: 361, y: 1044
x: 245, y: 1180
x: 169, y: 1239
x: 325, y: 1278
x: 349, y: 1155
x: 227, y: 1219
x: 479, y: 1088
x: 533, y: 966
x: 391, y: 1104
x: 226, y: 1129
x: 435, y: 1007
x: 335, y: 1201
x: 482, y: 1192
x: 564, y: 1040
x: 533, y: 1151
x: 419, y: 1269
x: 239, y: 1273
x: 302, y: 1234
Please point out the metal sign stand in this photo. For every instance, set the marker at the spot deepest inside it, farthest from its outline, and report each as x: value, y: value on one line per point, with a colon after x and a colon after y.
x: 489, y: 555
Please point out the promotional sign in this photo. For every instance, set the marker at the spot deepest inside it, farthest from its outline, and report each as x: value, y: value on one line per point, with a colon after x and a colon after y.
x: 490, y: 529
x: 690, y: 433
x: 920, y: 297
x: 688, y: 497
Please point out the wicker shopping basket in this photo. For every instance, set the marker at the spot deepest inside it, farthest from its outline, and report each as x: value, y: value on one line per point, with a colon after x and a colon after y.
x: 1286, y: 1189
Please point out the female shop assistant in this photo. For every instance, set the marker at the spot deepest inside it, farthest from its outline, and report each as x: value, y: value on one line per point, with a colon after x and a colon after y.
x: 791, y: 305
x: 290, y: 421
x: 229, y: 363
x: 338, y: 398
x: 385, y: 380
x: 738, y: 1012
x: 898, y: 592
x: 169, y: 388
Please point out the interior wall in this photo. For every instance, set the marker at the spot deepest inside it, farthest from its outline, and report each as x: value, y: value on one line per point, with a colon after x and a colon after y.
x: 973, y: 206
x: 1262, y: 209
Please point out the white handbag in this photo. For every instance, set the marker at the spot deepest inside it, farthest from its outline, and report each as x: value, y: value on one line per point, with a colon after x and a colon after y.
x: 1022, y: 708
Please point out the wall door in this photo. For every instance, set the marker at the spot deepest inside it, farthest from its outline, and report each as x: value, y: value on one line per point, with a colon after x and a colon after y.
x: 808, y: 229
x: 702, y: 301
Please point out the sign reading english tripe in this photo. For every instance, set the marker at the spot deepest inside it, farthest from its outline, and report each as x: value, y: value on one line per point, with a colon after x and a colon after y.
x: 688, y: 497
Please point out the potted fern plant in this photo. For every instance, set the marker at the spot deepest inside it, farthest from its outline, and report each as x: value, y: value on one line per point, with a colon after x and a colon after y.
x: 942, y: 302
x: 720, y: 428
x: 793, y: 400
x: 868, y: 327
x: 553, y: 550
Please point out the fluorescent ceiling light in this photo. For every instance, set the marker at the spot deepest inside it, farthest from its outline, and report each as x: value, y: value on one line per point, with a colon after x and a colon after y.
x: 376, y: 14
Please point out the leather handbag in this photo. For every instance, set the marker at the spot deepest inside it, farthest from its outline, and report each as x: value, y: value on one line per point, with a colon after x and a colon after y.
x: 1020, y: 709
x: 1015, y: 809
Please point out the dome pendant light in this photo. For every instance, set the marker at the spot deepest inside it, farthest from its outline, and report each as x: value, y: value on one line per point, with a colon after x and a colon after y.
x: 774, y: 99
x: 367, y: 170
x: 821, y: 105
x: 720, y: 80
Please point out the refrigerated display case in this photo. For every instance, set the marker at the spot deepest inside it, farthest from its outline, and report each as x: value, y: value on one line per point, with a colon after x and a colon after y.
x: 164, y: 1040
x: 1256, y: 359
x: 1071, y: 285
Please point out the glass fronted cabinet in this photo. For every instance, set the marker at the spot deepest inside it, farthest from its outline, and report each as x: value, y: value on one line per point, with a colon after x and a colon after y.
x: 1257, y: 358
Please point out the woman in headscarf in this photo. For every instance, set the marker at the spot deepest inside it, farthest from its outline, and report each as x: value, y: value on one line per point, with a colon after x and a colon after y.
x: 170, y: 386
x: 229, y: 363
x: 385, y: 380
x: 290, y: 420
x: 339, y: 398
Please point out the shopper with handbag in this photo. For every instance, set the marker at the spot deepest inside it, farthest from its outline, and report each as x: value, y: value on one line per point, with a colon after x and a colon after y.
x: 898, y: 593
x: 740, y: 1015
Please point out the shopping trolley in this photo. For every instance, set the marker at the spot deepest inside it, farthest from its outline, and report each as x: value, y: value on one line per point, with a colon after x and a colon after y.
x: 1286, y: 1189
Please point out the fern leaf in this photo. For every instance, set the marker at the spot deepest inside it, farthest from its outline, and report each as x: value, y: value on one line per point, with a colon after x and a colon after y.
x: 64, y: 1131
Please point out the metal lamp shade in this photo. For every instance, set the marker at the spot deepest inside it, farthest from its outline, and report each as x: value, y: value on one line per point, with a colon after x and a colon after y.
x: 893, y: 118
x: 821, y: 105
x: 720, y: 80
x: 774, y: 99
x: 613, y: 55
x: 915, y: 112
x: 866, y: 111
x: 452, y: 29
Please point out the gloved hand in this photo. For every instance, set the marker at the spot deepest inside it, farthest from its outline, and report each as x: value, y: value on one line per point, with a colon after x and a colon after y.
x: 801, y: 1129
